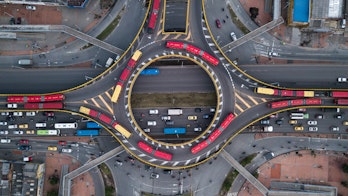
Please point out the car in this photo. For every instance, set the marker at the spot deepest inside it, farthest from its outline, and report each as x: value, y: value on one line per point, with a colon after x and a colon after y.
x: 12, y: 126
x: 17, y: 132
x: 292, y: 122
x: 319, y: 116
x: 52, y: 148
x: 338, y: 116
x: 192, y: 117
x: 279, y: 122
x: 23, y: 126
x: 19, y: 20
x: 5, y: 141
x: 169, y: 122
x: 274, y: 115
x: 334, y: 128
x: 30, y: 113
x: 17, y: 113
x: 154, y: 175
x: 27, y: 159
x: 341, y: 79
x: 198, y: 110
x: 5, y: 113
x: 67, y: 150
x: 206, y: 116
x: 118, y: 162
x: 168, y: 171
x: 30, y: 132
x: 301, y: 109
x: 197, y: 129
x: 312, y: 122
x: 153, y: 112
x: 10, y: 118
x: 312, y: 128
x: 62, y: 143
x: 299, y: 128
x: 147, y: 130
x: 166, y: 117
x: 24, y: 147
x: 273, y: 54
x: 30, y: 7
x: 345, y: 122
x: 212, y: 110
x: 49, y: 113
x: 218, y: 23
x: 23, y: 141
x: 3, y: 123
x: 3, y: 132
x: 74, y: 144
x: 12, y: 105
x: 151, y: 123
x: 264, y: 122
x: 233, y: 36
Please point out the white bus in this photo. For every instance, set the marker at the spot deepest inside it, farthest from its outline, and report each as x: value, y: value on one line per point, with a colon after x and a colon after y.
x: 298, y: 116
x: 65, y: 125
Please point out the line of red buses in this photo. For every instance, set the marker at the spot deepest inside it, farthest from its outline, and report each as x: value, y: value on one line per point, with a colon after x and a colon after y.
x: 35, y: 98
x: 53, y: 105
x: 125, y: 74
x: 341, y: 101
x: 339, y: 94
x: 156, y: 153
x: 153, y: 18
x: 283, y: 93
x: 106, y: 119
x: 213, y: 136
x: 193, y: 50
x: 295, y: 102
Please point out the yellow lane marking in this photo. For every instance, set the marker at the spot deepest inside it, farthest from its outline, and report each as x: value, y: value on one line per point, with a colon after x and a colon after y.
x: 165, y: 37
x: 106, y: 104
x: 242, y: 100
x: 253, y: 100
x: 239, y: 108
x: 108, y: 94
x: 95, y: 103
x: 188, y: 36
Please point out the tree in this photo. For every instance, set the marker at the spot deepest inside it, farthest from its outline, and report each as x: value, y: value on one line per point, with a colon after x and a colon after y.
x: 52, y: 193
x: 54, y: 179
x: 345, y: 168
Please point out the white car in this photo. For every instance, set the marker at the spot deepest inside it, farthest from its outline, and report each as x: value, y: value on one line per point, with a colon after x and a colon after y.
x: 153, y: 111
x: 312, y: 128
x: 5, y: 140
x: 197, y: 129
x: 18, y: 132
x: 233, y: 36
x: 273, y: 54
x: 166, y: 118
x: 3, y: 123
x: 30, y: 113
x: 151, y: 123
x: 312, y: 122
x: 3, y: 132
x: 67, y: 150
x: 5, y: 113
x: 17, y: 113
x: 30, y: 7
x: 12, y: 105
x: 342, y: 79
x: 12, y: 126
x: 147, y: 130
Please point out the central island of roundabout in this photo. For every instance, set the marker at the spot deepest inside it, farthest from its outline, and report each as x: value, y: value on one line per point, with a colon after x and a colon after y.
x: 173, y: 109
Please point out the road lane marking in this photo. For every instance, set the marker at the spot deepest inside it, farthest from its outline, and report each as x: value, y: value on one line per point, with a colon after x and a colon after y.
x: 253, y: 100
x: 242, y: 100
x: 106, y: 104
x: 95, y: 103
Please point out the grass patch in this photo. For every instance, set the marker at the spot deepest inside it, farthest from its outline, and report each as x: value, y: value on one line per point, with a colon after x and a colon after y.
x: 108, y: 180
x: 226, y: 185
x: 104, y: 169
x: 111, y: 27
x: 237, y: 22
x: 247, y: 160
x: 173, y: 100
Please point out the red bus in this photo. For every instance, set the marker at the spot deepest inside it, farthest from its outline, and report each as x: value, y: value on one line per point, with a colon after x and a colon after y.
x: 145, y: 147
x: 341, y: 101
x: 125, y: 74
x: 192, y: 49
x: 105, y: 119
x: 214, y: 135
x: 210, y: 58
x: 199, y: 147
x: 163, y: 155
x: 175, y: 45
x: 35, y: 98
x: 153, y: 17
x: 54, y: 105
x: 343, y: 94
x: 227, y: 121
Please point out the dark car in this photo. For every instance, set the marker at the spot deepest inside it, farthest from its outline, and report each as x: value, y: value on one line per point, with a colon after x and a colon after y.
x: 218, y: 23
x: 19, y: 20
x: 12, y: 21
x: 279, y: 122
x: 264, y: 122
x: 24, y: 147
x: 198, y: 110
x: 206, y: 116
x: 169, y: 122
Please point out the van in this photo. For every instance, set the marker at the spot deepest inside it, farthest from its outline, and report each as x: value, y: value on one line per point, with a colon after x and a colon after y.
x: 233, y: 36
x: 343, y: 23
x: 40, y: 125
x: 25, y: 62
x: 109, y: 62
x: 5, y: 141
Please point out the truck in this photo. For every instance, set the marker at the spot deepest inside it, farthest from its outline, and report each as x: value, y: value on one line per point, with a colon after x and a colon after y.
x: 150, y: 71
x: 25, y: 62
x: 109, y: 62
x: 174, y: 131
x: 174, y: 112
x: 256, y: 128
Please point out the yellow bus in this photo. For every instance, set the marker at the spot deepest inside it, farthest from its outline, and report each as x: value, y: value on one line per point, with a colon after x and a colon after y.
x: 84, y: 110
x: 266, y: 91
x: 136, y: 56
x: 122, y: 130
x: 116, y: 93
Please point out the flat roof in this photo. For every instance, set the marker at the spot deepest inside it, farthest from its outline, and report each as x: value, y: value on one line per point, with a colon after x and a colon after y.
x: 301, y: 11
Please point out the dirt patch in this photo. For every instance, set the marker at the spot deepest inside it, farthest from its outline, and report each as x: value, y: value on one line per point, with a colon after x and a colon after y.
x: 275, y: 171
